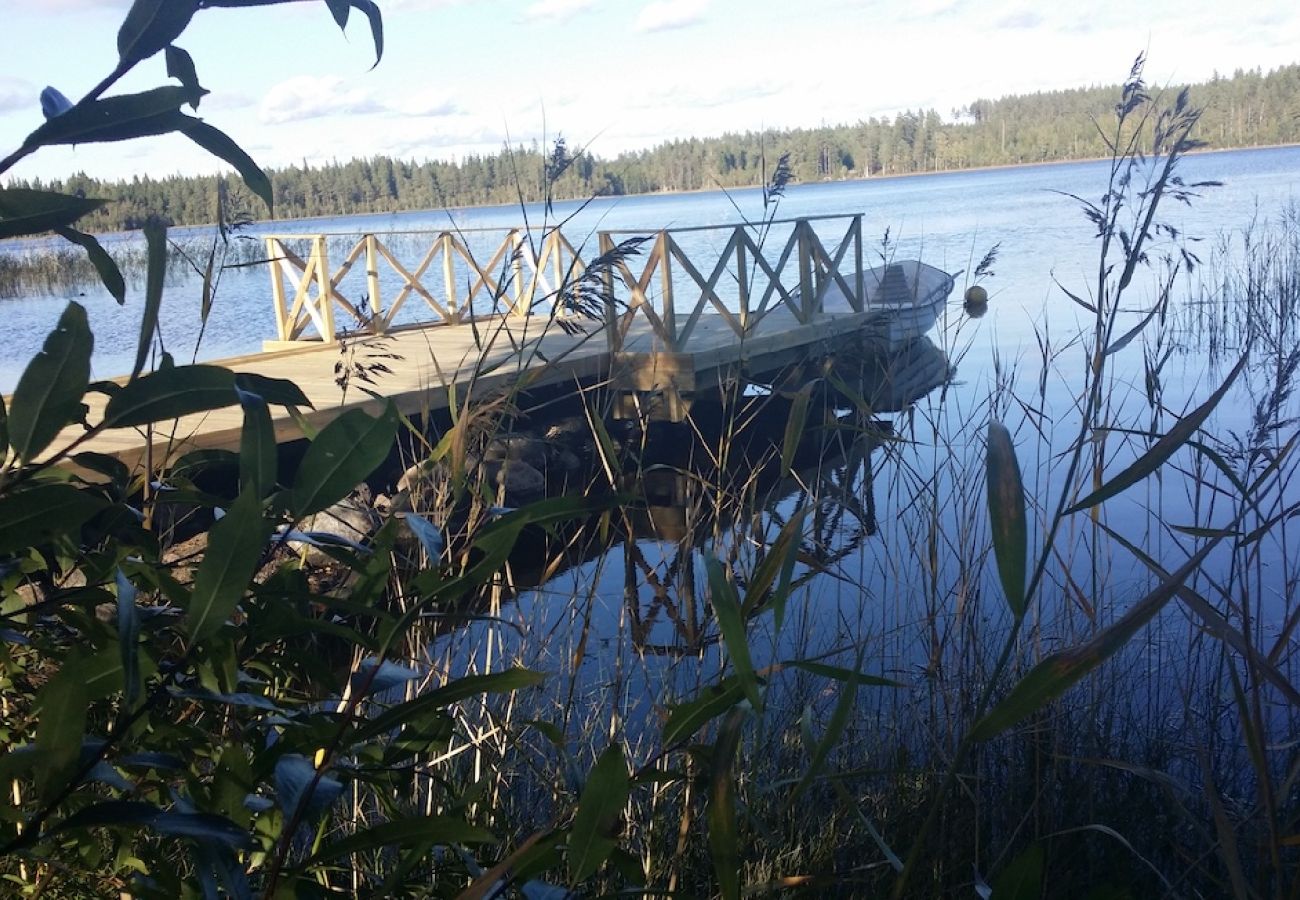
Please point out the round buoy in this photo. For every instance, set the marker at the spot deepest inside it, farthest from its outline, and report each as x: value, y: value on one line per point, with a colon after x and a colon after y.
x: 975, y: 310
x: 976, y: 294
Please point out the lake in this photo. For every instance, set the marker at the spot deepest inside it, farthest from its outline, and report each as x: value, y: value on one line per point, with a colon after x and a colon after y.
x: 893, y: 570
x: 948, y: 220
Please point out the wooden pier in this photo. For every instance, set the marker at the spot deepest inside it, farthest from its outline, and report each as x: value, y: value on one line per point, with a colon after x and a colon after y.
x: 479, y: 311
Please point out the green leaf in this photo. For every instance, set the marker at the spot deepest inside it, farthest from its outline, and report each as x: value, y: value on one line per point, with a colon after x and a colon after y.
x: 1169, y: 443
x: 732, y: 625
x: 220, y: 145
x: 258, y: 453
x: 180, y: 65
x: 128, y: 637
x: 372, y: 13
x: 451, y: 692
x: 24, y: 211
x: 1059, y: 671
x: 404, y: 833
x: 1006, y: 498
x: 275, y: 391
x: 104, y: 264
x: 1022, y: 879
x: 235, y: 547
x: 205, y: 828
x: 118, y: 813
x: 4, y: 431
x: 685, y: 719
x: 104, y: 674
x: 155, y: 235
x: 724, y: 833
x: 48, y: 396
x: 151, y: 25
x: 599, y: 811
x: 339, y: 9
x: 110, y: 467
x: 156, y: 111
x: 169, y: 394
x: 794, y: 426
x: 61, y: 725
x: 837, y: 673
x: 343, y: 455
x: 202, y: 827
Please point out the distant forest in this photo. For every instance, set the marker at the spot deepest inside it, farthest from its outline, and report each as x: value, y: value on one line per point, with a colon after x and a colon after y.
x: 1248, y: 109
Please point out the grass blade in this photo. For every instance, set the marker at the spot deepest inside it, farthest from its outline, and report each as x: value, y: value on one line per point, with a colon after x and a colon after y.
x: 685, y: 719
x: 794, y: 426
x: 402, y: 833
x: 731, y: 623
x: 1162, y: 449
x: 724, y: 836
x: 1059, y: 671
x: 834, y: 731
x: 776, y: 568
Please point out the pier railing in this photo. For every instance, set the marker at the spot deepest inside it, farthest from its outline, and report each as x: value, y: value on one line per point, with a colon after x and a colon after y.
x: 741, y: 273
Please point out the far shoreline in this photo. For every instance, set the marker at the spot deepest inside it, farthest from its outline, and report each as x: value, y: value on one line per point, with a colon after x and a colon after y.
x: 128, y: 233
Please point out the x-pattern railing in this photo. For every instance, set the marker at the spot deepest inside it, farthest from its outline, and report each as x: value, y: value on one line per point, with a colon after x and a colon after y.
x: 668, y: 290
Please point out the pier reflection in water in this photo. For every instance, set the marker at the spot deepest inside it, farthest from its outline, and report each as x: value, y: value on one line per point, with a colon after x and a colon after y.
x: 728, y: 480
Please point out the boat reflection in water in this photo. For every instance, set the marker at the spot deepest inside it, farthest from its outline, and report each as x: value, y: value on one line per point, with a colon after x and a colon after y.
x: 719, y: 483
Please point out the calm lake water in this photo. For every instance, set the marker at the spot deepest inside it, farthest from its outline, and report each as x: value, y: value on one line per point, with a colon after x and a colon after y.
x: 901, y: 527
x: 948, y: 220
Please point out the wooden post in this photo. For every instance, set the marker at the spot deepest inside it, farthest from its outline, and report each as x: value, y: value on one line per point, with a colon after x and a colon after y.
x: 377, y: 321
x: 742, y: 282
x: 668, y: 302
x: 449, y: 275
x: 611, y: 308
x: 274, y: 252
x: 325, y: 283
x: 807, y: 291
x: 557, y: 260
x: 517, y: 265
x: 859, y: 276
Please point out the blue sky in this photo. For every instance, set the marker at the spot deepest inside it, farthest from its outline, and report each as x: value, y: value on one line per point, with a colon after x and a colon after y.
x: 462, y: 76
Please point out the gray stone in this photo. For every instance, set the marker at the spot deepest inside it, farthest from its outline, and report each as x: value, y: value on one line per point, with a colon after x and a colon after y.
x: 351, y: 519
x: 521, y: 481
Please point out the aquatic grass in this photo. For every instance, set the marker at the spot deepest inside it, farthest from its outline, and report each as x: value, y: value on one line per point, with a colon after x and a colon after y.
x: 33, y: 268
x: 1187, y: 792
x: 1167, y: 771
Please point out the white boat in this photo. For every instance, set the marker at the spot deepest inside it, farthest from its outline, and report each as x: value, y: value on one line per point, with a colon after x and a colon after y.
x: 904, y: 298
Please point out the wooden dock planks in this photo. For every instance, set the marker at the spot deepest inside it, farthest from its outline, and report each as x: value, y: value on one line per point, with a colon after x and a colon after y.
x: 485, y: 357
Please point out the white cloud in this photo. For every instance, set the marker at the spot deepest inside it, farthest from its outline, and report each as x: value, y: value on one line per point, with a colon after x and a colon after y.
x: 427, y: 102
x: 83, y: 5
x: 419, y: 5
x: 16, y: 94
x: 556, y: 10
x: 309, y: 97
x: 663, y: 15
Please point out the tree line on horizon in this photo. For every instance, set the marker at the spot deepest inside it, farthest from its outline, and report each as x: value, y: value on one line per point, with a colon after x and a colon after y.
x: 1246, y: 109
